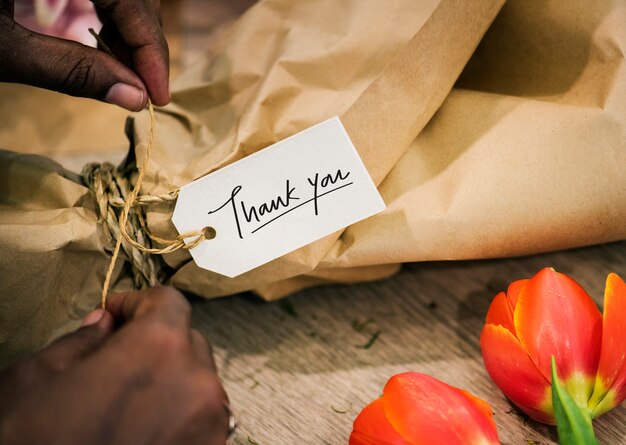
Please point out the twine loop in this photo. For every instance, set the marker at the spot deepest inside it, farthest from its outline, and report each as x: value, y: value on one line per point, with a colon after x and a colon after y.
x: 111, y: 189
x: 122, y: 208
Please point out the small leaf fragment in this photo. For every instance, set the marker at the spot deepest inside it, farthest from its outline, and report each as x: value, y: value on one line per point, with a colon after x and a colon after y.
x: 372, y: 340
x: 359, y: 326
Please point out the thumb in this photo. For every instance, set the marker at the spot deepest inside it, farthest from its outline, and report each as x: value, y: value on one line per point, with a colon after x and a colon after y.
x: 96, y: 328
x: 67, y: 67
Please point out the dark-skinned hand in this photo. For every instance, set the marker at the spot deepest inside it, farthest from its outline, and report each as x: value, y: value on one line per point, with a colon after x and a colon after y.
x: 134, y: 374
x: 131, y: 29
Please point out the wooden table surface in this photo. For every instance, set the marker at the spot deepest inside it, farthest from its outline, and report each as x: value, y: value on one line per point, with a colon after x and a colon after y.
x: 297, y: 373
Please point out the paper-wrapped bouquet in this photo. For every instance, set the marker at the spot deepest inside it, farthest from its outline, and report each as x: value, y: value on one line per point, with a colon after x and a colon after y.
x: 523, y: 153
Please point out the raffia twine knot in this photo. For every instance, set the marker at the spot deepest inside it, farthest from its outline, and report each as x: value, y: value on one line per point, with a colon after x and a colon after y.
x: 121, y: 208
x: 111, y: 189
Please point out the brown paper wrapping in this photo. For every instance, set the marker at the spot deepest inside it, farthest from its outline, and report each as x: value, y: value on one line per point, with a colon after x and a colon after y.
x: 52, y: 259
x: 524, y: 154
x: 383, y: 68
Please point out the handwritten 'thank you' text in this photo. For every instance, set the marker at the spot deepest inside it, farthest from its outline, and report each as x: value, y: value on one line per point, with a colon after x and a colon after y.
x: 252, y: 217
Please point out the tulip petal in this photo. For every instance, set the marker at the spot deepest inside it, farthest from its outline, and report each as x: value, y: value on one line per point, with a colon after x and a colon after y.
x: 371, y: 427
x: 555, y: 316
x: 501, y: 313
x: 512, y: 293
x: 610, y: 388
x: 427, y: 411
x: 482, y: 406
x: 515, y: 374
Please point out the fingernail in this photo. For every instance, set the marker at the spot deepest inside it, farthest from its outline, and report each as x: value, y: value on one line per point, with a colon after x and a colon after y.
x: 125, y: 96
x: 92, y: 317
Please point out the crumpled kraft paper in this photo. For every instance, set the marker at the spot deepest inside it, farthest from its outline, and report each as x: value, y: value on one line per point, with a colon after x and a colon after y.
x: 52, y: 256
x: 384, y: 68
x: 524, y: 155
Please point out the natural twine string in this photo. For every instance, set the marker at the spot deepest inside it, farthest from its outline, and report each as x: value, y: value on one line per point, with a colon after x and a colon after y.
x: 171, y: 245
x: 111, y: 186
x: 119, y: 229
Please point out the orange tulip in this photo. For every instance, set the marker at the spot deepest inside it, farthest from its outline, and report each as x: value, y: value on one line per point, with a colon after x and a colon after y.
x: 416, y: 409
x: 551, y: 315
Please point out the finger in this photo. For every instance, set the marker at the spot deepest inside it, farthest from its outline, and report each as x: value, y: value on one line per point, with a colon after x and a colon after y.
x: 67, y: 67
x: 139, y: 26
x: 92, y: 317
x: 71, y: 347
x: 202, y: 350
x: 161, y: 304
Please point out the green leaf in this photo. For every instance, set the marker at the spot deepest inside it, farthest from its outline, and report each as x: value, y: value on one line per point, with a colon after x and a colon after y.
x: 572, y: 422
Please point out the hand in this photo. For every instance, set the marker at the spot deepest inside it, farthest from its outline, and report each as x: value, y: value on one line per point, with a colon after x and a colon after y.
x: 131, y: 28
x: 150, y: 381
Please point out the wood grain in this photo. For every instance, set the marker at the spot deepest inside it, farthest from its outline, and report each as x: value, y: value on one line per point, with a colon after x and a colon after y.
x: 302, y: 379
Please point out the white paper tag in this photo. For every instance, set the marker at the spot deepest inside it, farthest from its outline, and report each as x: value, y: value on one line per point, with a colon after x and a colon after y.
x: 277, y: 200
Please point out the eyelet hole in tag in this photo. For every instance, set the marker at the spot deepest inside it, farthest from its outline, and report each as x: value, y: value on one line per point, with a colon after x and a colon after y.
x: 209, y: 233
